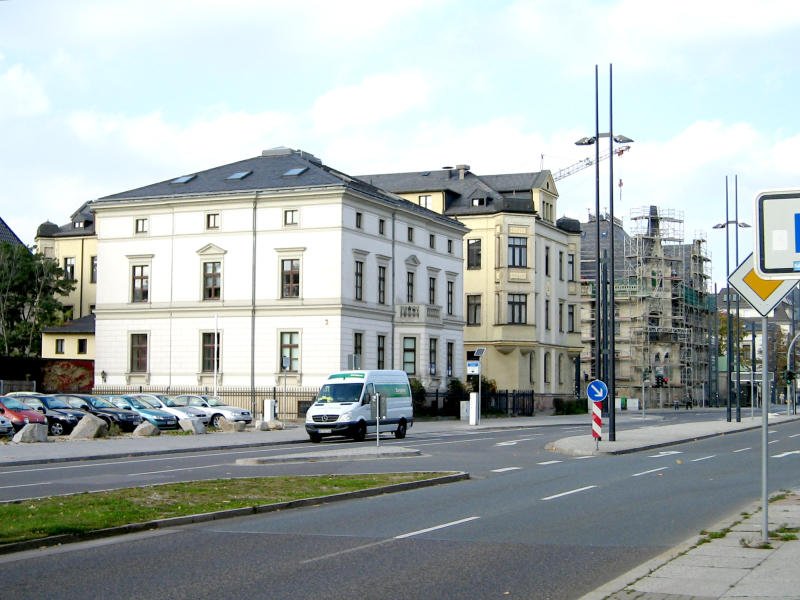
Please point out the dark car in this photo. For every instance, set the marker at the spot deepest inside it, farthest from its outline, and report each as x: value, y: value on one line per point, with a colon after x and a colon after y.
x: 61, y: 417
x: 126, y: 420
x: 19, y: 413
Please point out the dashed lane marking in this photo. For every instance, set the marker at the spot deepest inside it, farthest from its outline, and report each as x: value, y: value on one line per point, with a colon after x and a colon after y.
x: 648, y: 472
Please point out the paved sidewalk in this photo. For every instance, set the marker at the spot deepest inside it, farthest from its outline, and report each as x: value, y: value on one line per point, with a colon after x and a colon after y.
x: 733, y: 565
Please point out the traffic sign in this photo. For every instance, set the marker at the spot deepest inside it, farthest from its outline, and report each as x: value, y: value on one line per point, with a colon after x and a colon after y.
x: 777, y: 246
x: 597, y: 390
x: 762, y: 294
x: 473, y: 367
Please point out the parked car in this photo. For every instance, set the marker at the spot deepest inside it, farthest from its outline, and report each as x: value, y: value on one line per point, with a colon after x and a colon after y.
x: 61, y: 417
x: 215, y: 409
x: 159, y: 418
x: 6, y: 426
x: 167, y: 404
x: 19, y: 413
x: 124, y: 418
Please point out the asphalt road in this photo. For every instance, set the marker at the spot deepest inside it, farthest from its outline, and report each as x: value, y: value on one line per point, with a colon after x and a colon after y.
x: 530, y: 524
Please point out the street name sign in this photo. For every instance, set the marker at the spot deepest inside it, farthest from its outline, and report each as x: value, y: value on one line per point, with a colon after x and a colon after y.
x: 762, y: 294
x: 777, y: 244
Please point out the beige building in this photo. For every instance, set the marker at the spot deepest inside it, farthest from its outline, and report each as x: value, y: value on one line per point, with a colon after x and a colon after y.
x: 522, y: 294
x: 74, y: 340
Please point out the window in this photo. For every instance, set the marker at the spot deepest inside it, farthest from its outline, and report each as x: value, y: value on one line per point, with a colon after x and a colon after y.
x: 410, y: 355
x: 425, y: 200
x: 432, y: 241
x: 547, y: 261
x: 291, y: 216
x: 381, y: 285
x: 409, y: 286
x: 517, y: 308
x: 290, y: 278
x: 59, y: 345
x: 210, y: 352
x: 449, y: 246
x: 359, y: 280
x: 359, y: 218
x: 138, y: 353
x: 381, y: 351
x: 432, y: 351
x: 140, y: 283
x: 450, y: 297
x: 561, y: 316
x: 473, y: 310
x: 83, y: 345
x: 140, y: 225
x: 410, y: 234
x: 212, y: 221
x: 473, y: 254
x: 290, y: 348
x: 69, y: 312
x: 517, y: 252
x: 431, y: 290
x: 450, y: 347
x: 547, y: 367
x: 93, y: 269
x: 69, y: 268
x: 381, y: 226
x: 547, y: 314
x: 560, y: 368
x: 571, y: 318
x: 571, y: 266
x: 358, y: 349
x: 561, y: 265
x: 212, y: 280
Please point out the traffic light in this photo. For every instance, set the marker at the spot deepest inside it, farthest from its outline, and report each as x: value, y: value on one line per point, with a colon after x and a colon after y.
x: 789, y: 376
x: 659, y: 381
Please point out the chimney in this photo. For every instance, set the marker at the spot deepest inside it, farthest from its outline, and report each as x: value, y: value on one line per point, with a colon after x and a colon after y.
x: 462, y: 170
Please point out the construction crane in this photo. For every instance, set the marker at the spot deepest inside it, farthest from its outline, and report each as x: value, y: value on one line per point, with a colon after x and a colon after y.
x: 586, y: 163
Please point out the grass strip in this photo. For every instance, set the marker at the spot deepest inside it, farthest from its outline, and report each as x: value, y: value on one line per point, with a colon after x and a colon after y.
x: 39, y: 518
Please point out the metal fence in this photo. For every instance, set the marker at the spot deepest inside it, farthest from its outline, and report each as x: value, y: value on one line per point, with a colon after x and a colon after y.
x: 518, y: 403
x: 7, y: 386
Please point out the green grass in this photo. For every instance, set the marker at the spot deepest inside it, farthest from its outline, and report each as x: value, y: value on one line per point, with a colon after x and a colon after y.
x: 81, y: 513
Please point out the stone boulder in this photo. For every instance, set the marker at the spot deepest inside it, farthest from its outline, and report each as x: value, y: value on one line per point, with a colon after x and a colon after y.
x: 226, y: 425
x: 146, y: 429
x: 275, y: 425
x: 89, y: 428
x: 261, y: 426
x: 194, y: 426
x: 31, y: 433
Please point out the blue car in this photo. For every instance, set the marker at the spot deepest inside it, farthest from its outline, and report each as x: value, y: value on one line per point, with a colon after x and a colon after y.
x: 159, y: 418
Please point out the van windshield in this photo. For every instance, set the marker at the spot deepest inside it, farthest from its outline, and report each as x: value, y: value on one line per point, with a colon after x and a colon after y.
x: 340, y: 392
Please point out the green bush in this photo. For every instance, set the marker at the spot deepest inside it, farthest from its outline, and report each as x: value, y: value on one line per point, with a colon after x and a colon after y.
x: 417, y: 395
x: 569, y: 407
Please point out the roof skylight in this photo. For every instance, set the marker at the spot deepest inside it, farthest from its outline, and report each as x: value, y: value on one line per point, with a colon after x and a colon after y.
x: 183, y: 179
x: 238, y: 175
x: 295, y: 171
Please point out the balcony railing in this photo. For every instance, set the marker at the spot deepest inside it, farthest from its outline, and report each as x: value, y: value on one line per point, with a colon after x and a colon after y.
x: 418, y: 313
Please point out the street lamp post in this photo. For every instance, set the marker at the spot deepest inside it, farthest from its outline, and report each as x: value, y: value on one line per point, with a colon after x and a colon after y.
x: 725, y: 226
x: 605, y: 345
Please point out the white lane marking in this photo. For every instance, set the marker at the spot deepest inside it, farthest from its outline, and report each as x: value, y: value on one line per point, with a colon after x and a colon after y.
x: 585, y: 457
x: 513, y: 442
x: 773, y: 441
x: 665, y: 453
x: 5, y: 487
x: 794, y: 435
x: 741, y: 450
x: 583, y: 489
x: 782, y: 454
x: 181, y: 469
x: 703, y: 458
x: 453, y: 442
x: 650, y: 471
x: 549, y: 462
x: 505, y: 469
x: 434, y: 528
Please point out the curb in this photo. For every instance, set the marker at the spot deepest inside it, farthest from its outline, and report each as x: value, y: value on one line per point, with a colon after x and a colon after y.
x: 57, y: 540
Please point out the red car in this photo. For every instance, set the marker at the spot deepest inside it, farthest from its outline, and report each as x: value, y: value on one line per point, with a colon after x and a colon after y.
x: 19, y: 413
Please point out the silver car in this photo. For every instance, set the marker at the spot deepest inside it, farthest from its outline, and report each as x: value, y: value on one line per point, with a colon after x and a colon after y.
x: 167, y: 404
x: 6, y: 427
x: 215, y: 409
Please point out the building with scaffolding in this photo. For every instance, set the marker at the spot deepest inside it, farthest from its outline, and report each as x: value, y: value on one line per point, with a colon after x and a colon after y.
x: 663, y: 314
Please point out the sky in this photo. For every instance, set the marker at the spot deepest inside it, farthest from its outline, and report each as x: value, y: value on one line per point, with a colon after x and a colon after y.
x: 101, y: 96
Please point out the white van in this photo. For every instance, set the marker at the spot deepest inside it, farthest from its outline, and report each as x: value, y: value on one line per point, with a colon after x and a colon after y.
x: 346, y: 405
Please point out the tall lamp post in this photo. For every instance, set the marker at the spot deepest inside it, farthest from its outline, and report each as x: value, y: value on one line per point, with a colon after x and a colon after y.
x: 605, y: 345
x: 739, y: 225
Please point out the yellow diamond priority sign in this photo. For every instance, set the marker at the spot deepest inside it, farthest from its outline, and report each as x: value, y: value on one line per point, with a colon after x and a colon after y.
x: 762, y: 294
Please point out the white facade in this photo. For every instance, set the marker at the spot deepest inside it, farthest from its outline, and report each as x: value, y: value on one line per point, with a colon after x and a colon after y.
x: 285, y: 284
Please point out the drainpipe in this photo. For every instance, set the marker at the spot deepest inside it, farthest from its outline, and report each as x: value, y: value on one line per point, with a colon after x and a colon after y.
x: 80, y: 292
x: 253, y: 316
x: 394, y: 308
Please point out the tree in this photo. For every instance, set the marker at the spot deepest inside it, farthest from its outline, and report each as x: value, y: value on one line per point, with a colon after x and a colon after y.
x: 30, y: 285
x: 738, y: 330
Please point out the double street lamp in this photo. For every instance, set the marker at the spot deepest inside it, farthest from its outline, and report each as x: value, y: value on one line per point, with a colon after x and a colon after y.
x: 739, y: 225
x: 605, y: 344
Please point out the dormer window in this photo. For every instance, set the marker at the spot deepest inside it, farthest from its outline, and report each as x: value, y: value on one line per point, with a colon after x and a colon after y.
x: 479, y: 202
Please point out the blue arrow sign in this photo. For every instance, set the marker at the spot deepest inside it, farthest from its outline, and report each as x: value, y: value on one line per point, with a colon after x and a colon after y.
x: 597, y: 390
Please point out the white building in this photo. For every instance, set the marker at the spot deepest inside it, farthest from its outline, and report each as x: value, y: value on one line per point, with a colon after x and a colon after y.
x: 274, y: 259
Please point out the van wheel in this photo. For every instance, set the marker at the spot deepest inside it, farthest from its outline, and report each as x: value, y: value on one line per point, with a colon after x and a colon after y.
x: 315, y: 437
x: 361, y: 432
x: 400, y: 432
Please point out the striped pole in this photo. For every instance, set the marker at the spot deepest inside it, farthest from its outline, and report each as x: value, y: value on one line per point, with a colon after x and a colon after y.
x: 597, y: 421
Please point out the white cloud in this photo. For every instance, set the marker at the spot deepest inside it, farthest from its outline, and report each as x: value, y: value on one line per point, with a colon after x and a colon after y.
x: 21, y: 94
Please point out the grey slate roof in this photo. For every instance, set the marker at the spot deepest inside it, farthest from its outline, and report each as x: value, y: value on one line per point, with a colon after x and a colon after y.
x: 82, y: 325
x: 503, y: 193
x: 6, y: 235
x: 81, y: 223
x: 269, y: 171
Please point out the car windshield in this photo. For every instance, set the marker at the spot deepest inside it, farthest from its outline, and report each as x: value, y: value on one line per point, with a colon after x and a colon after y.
x: 55, y: 403
x: 139, y: 403
x: 212, y: 401
x: 179, y: 402
x: 14, y: 404
x: 101, y: 403
x: 340, y: 392
x: 192, y: 401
